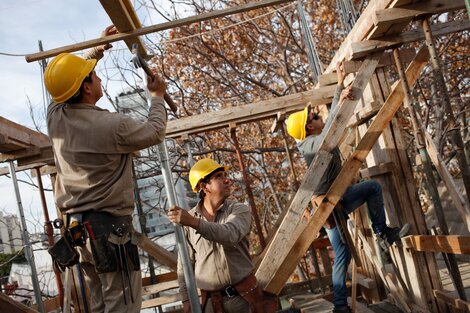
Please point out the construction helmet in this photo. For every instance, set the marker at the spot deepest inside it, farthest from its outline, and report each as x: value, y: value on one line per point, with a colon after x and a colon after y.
x: 64, y: 75
x: 201, y: 169
x: 296, y: 124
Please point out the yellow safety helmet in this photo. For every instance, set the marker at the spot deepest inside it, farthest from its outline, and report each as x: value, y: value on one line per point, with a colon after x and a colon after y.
x: 64, y: 75
x: 296, y: 123
x: 201, y: 169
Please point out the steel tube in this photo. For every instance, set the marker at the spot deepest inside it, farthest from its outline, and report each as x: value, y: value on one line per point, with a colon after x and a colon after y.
x: 27, y: 246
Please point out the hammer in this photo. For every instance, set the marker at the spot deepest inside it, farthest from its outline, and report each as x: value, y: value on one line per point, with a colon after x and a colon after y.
x: 140, y: 62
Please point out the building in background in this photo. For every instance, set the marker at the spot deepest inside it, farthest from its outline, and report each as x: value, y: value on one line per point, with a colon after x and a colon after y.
x: 10, y: 234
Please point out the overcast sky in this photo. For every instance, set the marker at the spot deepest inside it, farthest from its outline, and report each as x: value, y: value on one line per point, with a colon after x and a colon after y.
x: 22, y: 24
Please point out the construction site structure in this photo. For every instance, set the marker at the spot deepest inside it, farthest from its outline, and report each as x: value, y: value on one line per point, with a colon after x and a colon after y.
x: 411, y: 281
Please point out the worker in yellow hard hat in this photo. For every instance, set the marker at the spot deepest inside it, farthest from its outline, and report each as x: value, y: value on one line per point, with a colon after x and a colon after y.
x: 94, y: 187
x: 217, y: 231
x: 305, y: 126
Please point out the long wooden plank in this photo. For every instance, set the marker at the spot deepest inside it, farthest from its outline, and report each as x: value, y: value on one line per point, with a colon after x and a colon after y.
x: 154, y: 28
x: 363, y: 26
x: 414, y: 10
x: 305, y: 235
x: 9, y: 305
x: 22, y: 134
x: 361, y: 49
x: 248, y: 113
x: 278, y: 251
x: 454, y: 244
x: 160, y: 254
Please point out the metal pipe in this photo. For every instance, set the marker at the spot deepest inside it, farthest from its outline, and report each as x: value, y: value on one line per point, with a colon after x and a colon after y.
x: 50, y: 234
x: 249, y: 192
x: 27, y: 247
x: 314, y: 61
x: 182, y: 247
x: 189, y: 277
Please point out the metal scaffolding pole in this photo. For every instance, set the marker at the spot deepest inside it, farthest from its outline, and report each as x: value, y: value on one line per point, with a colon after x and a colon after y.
x: 313, y: 59
x: 27, y: 246
x: 172, y: 200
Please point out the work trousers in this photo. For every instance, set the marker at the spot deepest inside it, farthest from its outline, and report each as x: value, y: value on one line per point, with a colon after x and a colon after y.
x: 369, y: 192
x: 106, y: 289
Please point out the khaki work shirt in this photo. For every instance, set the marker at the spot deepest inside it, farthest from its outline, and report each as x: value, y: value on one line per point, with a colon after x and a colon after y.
x: 93, y: 154
x: 219, y: 250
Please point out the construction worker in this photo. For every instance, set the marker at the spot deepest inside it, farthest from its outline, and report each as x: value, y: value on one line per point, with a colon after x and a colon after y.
x: 304, y: 126
x: 217, y: 239
x: 94, y: 187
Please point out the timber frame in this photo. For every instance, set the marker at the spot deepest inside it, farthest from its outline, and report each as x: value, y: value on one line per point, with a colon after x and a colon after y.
x: 413, y: 280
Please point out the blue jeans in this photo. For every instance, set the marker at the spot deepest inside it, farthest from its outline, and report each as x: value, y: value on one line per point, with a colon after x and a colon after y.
x: 369, y: 192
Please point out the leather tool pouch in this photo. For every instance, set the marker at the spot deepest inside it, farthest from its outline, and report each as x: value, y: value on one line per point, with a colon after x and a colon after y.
x: 64, y: 254
x: 104, y: 255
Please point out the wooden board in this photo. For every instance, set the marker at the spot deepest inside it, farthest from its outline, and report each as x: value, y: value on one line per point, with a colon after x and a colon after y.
x: 455, y: 244
x: 363, y: 48
x: 124, y: 18
x: 153, y: 29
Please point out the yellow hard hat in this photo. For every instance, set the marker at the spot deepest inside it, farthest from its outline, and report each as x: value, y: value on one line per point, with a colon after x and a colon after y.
x: 296, y: 124
x: 201, y: 169
x: 65, y: 74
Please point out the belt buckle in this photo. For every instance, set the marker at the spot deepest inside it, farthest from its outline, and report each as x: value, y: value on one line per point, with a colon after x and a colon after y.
x: 230, y: 291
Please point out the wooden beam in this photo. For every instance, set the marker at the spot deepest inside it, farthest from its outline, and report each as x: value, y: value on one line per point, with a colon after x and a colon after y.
x: 21, y: 135
x: 248, y: 113
x: 155, y: 28
x: 362, y: 49
x: 406, y: 56
x: 303, y: 236
x: 360, y: 30
x: 270, y: 273
x: 454, y: 244
x: 11, y: 306
x: 160, y: 254
x: 452, y: 300
x: 409, y: 12
x: 124, y: 18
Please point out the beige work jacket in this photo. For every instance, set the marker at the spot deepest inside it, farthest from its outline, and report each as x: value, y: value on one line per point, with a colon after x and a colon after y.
x: 219, y: 250
x: 93, y: 154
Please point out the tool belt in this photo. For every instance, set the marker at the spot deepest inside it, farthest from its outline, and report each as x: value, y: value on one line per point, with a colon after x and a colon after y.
x: 248, y: 289
x: 110, y: 241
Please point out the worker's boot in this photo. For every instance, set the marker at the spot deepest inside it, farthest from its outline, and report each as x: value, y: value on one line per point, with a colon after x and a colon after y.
x: 390, y: 235
x: 344, y: 309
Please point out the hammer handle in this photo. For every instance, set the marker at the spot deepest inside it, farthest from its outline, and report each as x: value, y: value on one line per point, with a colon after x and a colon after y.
x: 167, y: 97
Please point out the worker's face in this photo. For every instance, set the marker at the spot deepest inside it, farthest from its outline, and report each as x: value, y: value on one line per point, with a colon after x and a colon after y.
x: 314, y: 124
x: 94, y: 87
x: 219, y: 185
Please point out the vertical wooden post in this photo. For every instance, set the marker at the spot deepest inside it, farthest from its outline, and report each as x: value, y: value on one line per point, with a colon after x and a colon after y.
x: 454, y: 129
x: 249, y: 192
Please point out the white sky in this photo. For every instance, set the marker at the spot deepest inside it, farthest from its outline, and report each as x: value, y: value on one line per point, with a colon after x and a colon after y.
x: 56, y: 23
